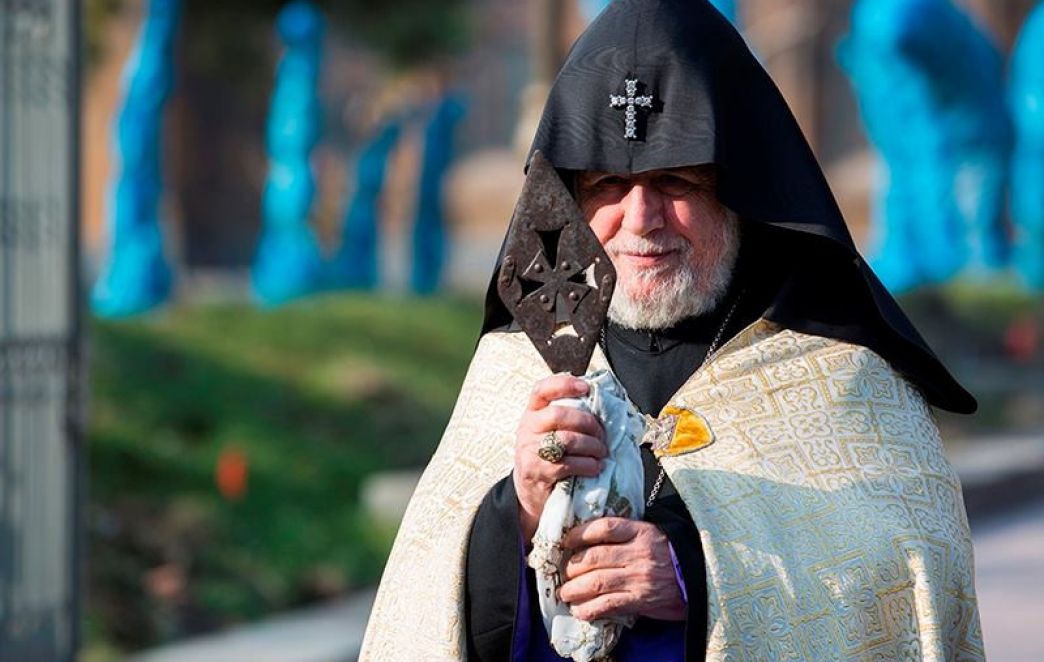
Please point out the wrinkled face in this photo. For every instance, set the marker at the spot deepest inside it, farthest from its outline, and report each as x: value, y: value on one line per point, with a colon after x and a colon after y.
x: 672, y: 243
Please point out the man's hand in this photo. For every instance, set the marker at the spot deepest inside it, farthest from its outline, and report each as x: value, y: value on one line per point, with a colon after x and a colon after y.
x: 579, y: 432
x: 620, y: 567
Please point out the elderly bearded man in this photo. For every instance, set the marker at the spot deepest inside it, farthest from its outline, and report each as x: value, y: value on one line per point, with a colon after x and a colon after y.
x: 822, y: 522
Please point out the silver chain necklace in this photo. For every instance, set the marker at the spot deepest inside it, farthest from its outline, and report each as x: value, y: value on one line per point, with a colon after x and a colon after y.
x: 713, y: 347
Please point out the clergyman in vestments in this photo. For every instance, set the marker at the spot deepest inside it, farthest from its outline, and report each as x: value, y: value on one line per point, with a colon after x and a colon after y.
x: 820, y: 521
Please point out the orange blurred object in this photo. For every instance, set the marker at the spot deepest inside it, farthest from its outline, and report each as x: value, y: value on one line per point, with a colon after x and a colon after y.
x: 166, y: 582
x: 231, y: 473
x: 1022, y: 339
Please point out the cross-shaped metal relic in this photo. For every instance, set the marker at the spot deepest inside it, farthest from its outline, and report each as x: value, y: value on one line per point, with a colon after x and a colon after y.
x: 631, y: 101
x: 554, y: 269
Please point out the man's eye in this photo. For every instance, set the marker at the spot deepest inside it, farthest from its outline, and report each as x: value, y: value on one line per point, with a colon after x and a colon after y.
x: 609, y: 182
x: 605, y: 187
x: 674, y: 185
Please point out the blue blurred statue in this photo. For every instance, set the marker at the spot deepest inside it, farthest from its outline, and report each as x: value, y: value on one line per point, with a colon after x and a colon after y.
x: 1027, y: 177
x: 727, y: 8
x: 429, y: 229
x: 930, y: 85
x: 592, y: 8
x: 355, y: 265
x: 137, y: 277
x: 288, y: 263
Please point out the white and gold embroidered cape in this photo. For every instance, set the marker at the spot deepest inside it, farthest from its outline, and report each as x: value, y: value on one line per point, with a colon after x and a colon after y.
x: 832, y: 525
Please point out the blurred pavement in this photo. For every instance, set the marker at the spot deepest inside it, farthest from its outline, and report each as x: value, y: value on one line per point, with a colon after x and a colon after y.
x: 328, y: 633
x: 1009, y: 579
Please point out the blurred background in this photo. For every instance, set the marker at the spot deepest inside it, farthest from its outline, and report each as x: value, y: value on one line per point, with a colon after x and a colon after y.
x: 242, y: 251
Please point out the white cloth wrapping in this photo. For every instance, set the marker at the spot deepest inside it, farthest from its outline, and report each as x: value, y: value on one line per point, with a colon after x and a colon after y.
x: 616, y: 492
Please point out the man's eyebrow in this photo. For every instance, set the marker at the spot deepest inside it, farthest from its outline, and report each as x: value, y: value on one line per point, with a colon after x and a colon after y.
x: 698, y: 176
x: 702, y: 175
x: 588, y: 176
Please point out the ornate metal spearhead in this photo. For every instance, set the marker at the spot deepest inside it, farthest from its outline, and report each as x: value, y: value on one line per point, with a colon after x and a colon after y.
x: 555, y: 270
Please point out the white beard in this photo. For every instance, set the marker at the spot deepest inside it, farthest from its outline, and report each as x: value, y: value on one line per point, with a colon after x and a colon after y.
x: 689, y: 290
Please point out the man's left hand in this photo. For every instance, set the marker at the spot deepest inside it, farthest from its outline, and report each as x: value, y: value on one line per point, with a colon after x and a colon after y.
x: 620, y: 567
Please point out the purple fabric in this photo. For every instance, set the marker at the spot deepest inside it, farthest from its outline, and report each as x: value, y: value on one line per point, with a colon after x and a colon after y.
x: 663, y: 641
x: 523, y: 623
x: 678, y: 573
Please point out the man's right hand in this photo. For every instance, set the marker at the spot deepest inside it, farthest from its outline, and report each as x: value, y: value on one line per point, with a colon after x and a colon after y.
x: 579, y: 432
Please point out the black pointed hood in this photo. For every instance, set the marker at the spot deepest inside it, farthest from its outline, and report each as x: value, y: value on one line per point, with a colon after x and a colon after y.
x: 700, y: 96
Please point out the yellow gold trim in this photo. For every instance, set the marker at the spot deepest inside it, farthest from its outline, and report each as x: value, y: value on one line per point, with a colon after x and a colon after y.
x: 691, y: 432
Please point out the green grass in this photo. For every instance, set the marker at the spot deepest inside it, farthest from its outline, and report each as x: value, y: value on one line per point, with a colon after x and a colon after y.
x: 317, y: 396
x: 965, y: 323
x: 979, y: 309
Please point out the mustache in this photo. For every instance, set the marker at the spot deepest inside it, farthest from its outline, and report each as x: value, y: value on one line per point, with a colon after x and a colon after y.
x: 646, y: 245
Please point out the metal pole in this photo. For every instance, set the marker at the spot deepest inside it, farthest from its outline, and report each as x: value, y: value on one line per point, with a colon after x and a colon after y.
x: 40, y: 330
x: 76, y: 375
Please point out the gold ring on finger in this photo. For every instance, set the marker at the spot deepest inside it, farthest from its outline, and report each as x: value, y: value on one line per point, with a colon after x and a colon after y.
x: 551, y: 450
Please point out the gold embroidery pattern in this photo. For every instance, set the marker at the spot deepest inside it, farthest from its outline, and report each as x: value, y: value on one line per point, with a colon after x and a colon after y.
x: 832, y: 523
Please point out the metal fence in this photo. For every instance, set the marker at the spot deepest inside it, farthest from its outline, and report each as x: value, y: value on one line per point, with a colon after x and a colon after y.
x: 39, y: 329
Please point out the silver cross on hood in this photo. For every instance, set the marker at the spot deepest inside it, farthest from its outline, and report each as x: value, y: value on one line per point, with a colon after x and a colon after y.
x: 631, y: 100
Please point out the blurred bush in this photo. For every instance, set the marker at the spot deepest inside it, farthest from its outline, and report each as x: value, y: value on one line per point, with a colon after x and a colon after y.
x: 406, y: 33
x: 989, y: 334
x: 308, y: 399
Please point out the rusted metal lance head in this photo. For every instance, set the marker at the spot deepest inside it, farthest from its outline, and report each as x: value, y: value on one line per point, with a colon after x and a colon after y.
x: 555, y: 277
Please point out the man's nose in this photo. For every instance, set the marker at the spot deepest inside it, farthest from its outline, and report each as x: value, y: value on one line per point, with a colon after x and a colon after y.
x: 643, y: 210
